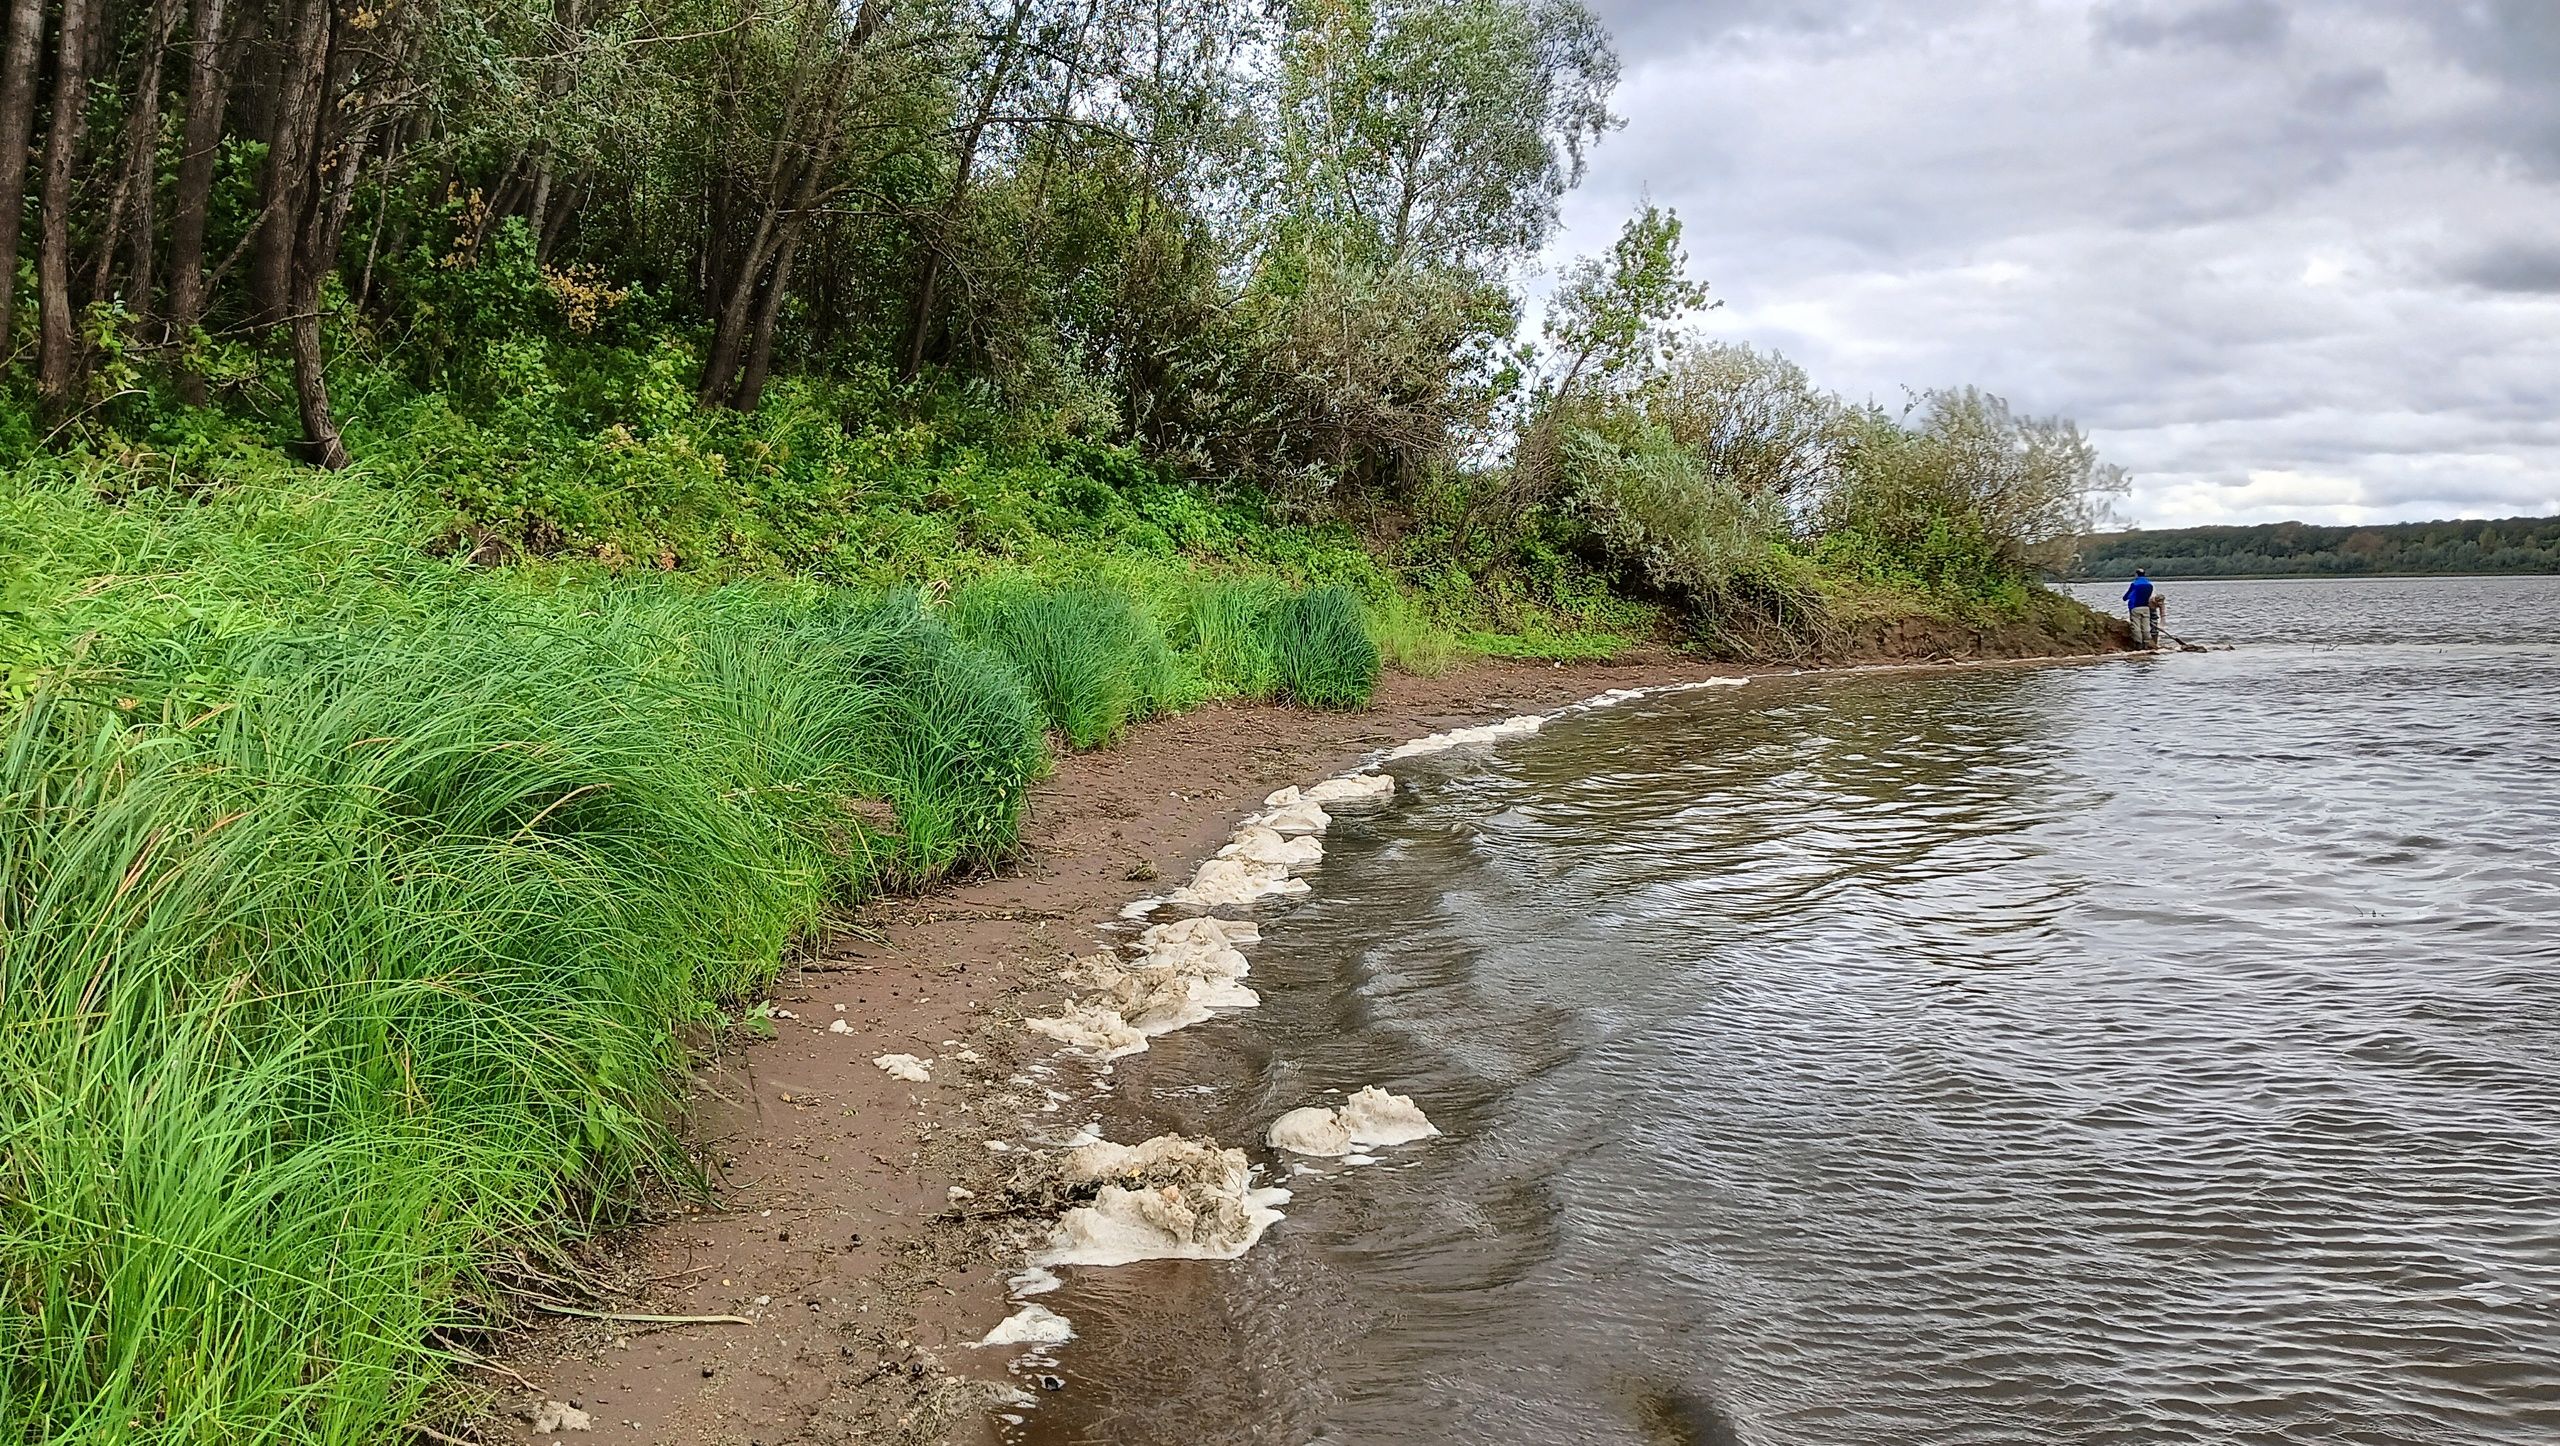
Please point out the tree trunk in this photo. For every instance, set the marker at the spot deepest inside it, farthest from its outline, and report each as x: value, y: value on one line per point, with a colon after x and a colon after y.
x: 311, y: 387
x: 58, y: 336
x: 929, y: 271
x: 290, y: 154
x: 138, y: 182
x: 25, y: 41
x: 784, y: 203
x: 728, y: 338
x: 760, y: 354
x: 341, y: 134
x: 200, y: 146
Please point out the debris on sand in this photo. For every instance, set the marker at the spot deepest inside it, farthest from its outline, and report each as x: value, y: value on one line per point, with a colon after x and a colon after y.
x: 554, y: 1416
x: 906, y: 1067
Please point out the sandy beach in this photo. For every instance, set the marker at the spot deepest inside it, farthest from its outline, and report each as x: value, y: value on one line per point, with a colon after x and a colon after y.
x: 853, y: 1279
x: 857, y: 1244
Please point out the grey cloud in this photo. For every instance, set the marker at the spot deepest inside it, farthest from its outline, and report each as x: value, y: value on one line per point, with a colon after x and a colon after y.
x: 2514, y: 44
x: 2227, y: 256
x: 2527, y: 268
x: 2243, y: 27
x: 1653, y: 30
x: 2336, y: 92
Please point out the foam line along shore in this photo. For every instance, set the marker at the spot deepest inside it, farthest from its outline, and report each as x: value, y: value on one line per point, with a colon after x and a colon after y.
x: 865, y: 1236
x: 1176, y: 1197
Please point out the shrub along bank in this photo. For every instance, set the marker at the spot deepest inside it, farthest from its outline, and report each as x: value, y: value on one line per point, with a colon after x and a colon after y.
x: 352, y: 902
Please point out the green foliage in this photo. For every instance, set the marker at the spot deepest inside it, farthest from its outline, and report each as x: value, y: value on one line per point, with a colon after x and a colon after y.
x: 1225, y: 626
x: 1324, y: 656
x: 353, y: 903
x: 1722, y: 480
x: 1090, y: 660
x: 1609, y: 319
x: 2290, y: 549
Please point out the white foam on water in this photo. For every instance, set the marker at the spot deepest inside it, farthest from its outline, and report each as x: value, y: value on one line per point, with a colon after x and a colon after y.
x: 1256, y: 844
x: 1088, y: 1029
x: 1476, y: 737
x: 1030, y: 1281
x: 1169, y: 1198
x: 1202, y: 932
x: 1033, y: 1325
x: 1370, y: 1119
x: 1374, y: 1117
x: 1296, y: 818
x: 1228, y: 883
x: 1311, y: 1130
x: 1352, y: 789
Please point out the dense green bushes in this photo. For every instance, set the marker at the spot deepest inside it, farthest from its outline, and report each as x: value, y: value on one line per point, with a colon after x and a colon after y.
x: 1770, y: 511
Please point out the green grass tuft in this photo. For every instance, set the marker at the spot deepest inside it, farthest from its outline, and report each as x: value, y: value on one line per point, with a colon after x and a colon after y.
x: 1325, y: 657
x: 1225, y: 627
x: 1091, y: 660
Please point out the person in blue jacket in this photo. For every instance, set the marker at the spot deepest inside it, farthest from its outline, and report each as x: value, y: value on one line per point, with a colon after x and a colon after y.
x: 2137, y: 606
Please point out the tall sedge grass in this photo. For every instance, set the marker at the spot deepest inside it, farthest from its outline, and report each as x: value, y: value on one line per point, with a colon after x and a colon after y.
x: 1092, y: 660
x: 1409, y: 642
x: 338, y: 959
x: 1225, y: 626
x: 352, y: 906
x: 1324, y: 655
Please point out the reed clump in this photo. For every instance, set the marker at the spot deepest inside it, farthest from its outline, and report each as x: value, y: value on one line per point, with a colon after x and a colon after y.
x: 353, y: 907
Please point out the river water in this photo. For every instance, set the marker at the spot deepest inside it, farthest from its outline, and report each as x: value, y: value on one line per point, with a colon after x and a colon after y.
x: 2155, y: 1051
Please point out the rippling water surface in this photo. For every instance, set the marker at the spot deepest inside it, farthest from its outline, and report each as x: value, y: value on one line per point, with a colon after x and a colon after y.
x: 2163, y: 1051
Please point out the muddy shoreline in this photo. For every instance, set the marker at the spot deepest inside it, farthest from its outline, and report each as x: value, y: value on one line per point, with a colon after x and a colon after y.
x: 850, y: 1250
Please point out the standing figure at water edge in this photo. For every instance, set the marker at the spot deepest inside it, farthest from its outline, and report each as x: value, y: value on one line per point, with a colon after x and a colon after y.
x: 2137, y: 606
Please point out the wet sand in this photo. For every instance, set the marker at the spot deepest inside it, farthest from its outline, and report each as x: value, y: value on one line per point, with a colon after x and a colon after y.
x: 836, y: 1237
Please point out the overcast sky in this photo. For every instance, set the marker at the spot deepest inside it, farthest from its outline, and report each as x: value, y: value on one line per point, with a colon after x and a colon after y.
x: 2281, y: 259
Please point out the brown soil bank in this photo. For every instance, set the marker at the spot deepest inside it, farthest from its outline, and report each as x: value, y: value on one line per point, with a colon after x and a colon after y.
x: 2054, y: 624
x: 846, y: 1267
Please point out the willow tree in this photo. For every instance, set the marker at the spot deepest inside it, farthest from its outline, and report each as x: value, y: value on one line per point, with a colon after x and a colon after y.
x: 1424, y: 146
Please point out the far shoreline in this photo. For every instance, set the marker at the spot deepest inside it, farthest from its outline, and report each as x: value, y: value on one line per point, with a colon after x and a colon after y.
x: 2294, y: 577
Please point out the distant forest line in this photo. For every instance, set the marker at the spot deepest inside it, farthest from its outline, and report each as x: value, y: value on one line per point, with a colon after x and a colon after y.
x: 2285, y: 549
